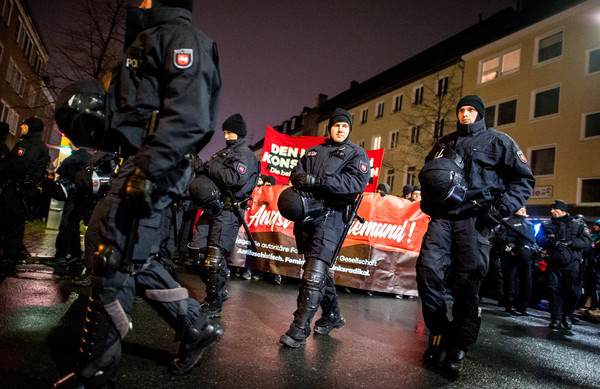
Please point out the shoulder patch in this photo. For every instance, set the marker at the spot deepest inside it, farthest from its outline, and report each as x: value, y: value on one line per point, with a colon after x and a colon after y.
x: 183, y: 58
x: 521, y: 156
x: 241, y: 168
x: 364, y: 167
x: 21, y: 152
x: 311, y: 153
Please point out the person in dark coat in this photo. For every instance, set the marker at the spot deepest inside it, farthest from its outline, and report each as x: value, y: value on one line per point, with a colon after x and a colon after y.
x: 335, y: 171
x: 564, y: 238
x: 234, y: 170
x: 21, y: 171
x: 471, y: 179
x: 4, y: 130
x: 162, y: 107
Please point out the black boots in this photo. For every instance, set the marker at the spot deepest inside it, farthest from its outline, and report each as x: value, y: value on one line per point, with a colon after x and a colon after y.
x: 327, y: 323
x: 437, y: 344
x: 192, y: 346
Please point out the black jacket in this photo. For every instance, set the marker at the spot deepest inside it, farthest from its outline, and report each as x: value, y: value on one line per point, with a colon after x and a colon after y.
x: 521, y: 234
x: 27, y: 160
x: 170, y: 67
x: 564, y: 240
x: 494, y: 166
x: 343, y: 169
x: 235, y: 169
x: 76, y: 162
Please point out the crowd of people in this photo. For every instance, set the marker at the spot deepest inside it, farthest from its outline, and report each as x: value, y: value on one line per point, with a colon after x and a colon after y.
x: 164, y: 112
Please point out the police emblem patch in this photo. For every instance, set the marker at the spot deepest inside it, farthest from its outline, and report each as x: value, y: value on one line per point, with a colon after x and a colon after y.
x: 21, y: 152
x: 521, y: 156
x: 241, y: 168
x: 364, y: 167
x: 184, y: 58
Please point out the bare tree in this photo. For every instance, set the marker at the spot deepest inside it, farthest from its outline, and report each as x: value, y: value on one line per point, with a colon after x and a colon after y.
x: 92, y: 44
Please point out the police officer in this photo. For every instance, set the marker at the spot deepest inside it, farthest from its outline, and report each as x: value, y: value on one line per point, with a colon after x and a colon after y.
x: 333, y: 172
x: 516, y: 240
x: 471, y: 179
x: 564, y: 239
x: 20, y: 173
x: 234, y: 170
x: 68, y: 241
x: 165, y: 96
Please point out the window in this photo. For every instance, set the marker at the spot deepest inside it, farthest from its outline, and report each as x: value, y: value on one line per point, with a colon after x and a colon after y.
x: 286, y: 127
x: 438, y: 128
x: 293, y: 124
x: 442, y: 87
x: 390, y: 178
x: 591, y: 125
x: 7, y: 7
x: 361, y: 143
x: 397, y: 103
x: 418, y: 95
x: 376, y: 142
x: 501, y: 114
x: 326, y: 129
x: 15, y: 78
x: 379, y: 110
x: 411, y: 175
x: 545, y: 102
x: 415, y: 132
x: 590, y: 191
x: 549, y: 46
x: 542, y: 161
x: 8, y: 115
x: 24, y: 39
x: 394, y: 139
x: 592, y: 62
x: 500, y: 65
x: 364, y: 114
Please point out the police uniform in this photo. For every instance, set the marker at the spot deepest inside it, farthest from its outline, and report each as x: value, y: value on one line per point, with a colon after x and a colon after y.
x: 235, y: 172
x: 564, y: 239
x: 334, y: 172
x: 162, y: 103
x: 456, y: 247
x: 516, y: 239
x: 68, y: 240
x: 20, y: 173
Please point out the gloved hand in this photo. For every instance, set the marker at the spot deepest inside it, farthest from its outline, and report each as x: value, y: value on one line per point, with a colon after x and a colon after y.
x: 138, y: 192
x: 562, y: 244
x: 494, y: 213
x: 200, y: 166
x: 508, y: 248
x: 305, y: 181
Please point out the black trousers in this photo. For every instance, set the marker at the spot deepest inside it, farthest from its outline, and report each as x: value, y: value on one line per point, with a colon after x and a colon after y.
x: 454, y: 254
x: 517, y: 275
x: 563, y: 285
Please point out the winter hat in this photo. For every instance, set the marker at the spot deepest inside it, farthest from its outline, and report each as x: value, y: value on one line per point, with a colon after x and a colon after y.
x: 407, y: 190
x: 340, y: 115
x: 186, y: 4
x: 559, y: 204
x: 474, y: 101
x: 597, y: 222
x: 236, y: 124
x: 385, y: 188
x: 34, y: 124
x: 269, y: 180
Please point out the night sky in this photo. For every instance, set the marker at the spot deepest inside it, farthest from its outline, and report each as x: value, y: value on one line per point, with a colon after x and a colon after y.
x: 277, y: 56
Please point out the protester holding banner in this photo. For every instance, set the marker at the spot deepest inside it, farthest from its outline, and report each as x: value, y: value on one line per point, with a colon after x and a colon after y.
x: 227, y: 181
x: 471, y: 180
x: 332, y: 174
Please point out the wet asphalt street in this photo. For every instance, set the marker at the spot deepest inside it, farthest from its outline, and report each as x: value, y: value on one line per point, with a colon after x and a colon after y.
x: 380, y: 347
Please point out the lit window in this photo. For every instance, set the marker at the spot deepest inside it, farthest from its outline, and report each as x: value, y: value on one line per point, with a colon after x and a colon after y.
x: 500, y: 65
x: 376, y: 142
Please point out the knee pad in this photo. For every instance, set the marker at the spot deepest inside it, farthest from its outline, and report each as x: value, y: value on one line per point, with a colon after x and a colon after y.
x: 215, y: 258
x: 315, y: 272
x: 105, y: 261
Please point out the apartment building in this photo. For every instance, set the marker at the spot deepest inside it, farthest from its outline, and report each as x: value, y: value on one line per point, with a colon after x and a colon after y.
x: 541, y: 86
x: 23, y: 58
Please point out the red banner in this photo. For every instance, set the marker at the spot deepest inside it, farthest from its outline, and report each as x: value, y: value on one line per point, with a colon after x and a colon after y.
x: 282, y: 152
x: 379, y: 255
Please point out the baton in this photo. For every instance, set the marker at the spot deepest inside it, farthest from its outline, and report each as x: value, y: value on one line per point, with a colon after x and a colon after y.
x: 528, y: 239
x: 353, y: 215
x: 235, y: 205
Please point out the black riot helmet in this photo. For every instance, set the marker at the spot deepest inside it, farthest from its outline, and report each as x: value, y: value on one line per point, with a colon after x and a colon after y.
x: 206, y: 195
x: 297, y: 208
x: 443, y: 181
x: 80, y: 113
